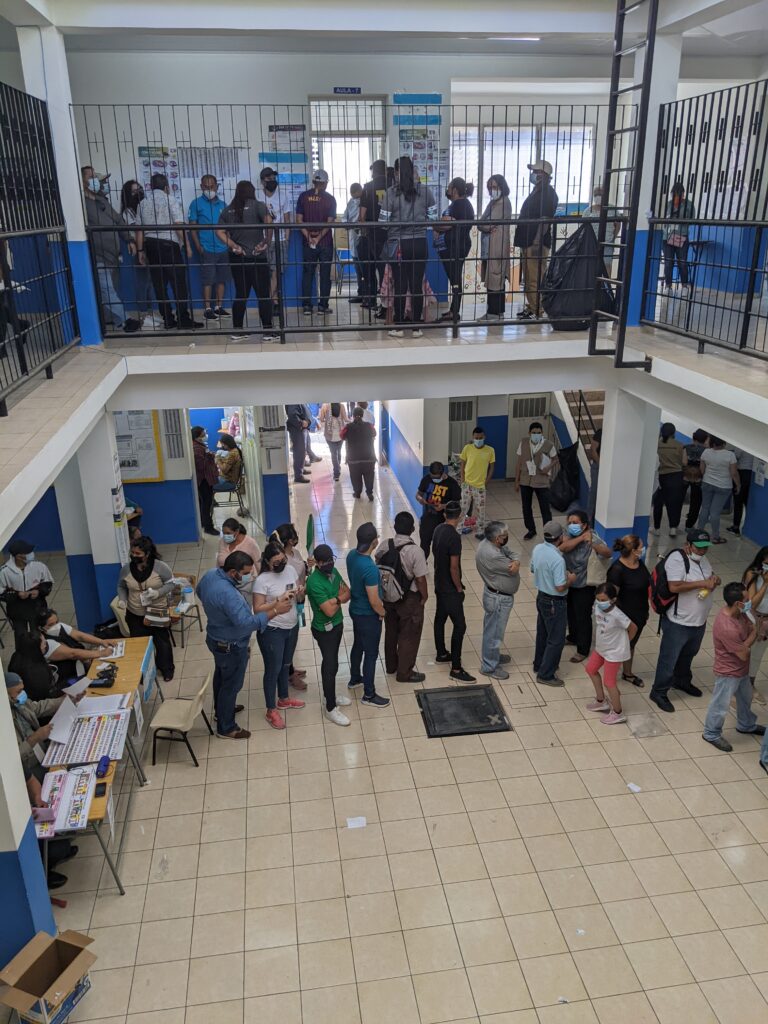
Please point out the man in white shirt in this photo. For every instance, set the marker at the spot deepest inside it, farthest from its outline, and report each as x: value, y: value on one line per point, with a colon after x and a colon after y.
x: 25, y: 584
x: 692, y: 581
x: 160, y: 248
x: 281, y: 211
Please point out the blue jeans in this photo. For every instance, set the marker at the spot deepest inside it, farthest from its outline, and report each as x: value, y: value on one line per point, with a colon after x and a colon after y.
x: 725, y: 688
x: 277, y: 647
x: 111, y: 303
x: 497, y: 608
x: 322, y: 256
x: 679, y: 646
x: 228, y: 679
x: 713, y: 501
x: 365, y: 650
x: 335, y: 447
x: 551, y: 622
x: 224, y: 485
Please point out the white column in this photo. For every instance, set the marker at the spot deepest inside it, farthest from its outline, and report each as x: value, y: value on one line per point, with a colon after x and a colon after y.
x: 627, y: 465
x: 44, y: 64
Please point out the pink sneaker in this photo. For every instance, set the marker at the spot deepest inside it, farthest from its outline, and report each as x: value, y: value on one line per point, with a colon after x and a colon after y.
x: 275, y: 719
x: 614, y: 718
x: 289, y: 702
x: 598, y: 705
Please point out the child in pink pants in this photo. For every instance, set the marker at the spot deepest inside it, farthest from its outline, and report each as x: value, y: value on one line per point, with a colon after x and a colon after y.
x: 612, y: 637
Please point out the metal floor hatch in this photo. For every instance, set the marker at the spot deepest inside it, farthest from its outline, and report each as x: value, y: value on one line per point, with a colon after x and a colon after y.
x: 462, y: 711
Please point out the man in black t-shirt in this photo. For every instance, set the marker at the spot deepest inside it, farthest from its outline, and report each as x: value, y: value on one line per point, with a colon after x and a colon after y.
x: 534, y: 238
x: 434, y: 493
x: 449, y: 591
x: 372, y: 239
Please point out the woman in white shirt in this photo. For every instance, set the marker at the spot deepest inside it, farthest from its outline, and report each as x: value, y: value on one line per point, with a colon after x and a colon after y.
x: 720, y: 477
x: 278, y: 641
x: 333, y: 418
x: 288, y: 538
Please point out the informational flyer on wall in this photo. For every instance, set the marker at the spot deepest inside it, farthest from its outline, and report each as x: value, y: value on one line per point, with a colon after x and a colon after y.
x: 430, y: 161
x: 137, y: 432
x: 159, y: 160
x: 285, y: 150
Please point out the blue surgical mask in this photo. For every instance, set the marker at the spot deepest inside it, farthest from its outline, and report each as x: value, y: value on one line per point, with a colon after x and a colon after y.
x: 478, y: 443
x: 228, y: 538
x: 536, y: 436
x: 575, y: 529
x: 22, y: 698
x: 30, y: 557
x: 533, y: 176
x: 94, y: 184
x: 765, y: 567
x: 604, y: 605
x: 747, y: 606
x: 247, y: 577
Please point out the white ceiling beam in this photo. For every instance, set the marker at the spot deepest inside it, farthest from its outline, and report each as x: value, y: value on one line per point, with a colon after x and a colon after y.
x: 25, y: 13
x: 680, y: 15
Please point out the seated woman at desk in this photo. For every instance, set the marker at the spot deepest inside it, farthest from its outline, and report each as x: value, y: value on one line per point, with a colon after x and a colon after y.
x: 142, y: 589
x: 27, y: 714
x: 229, y: 462
x: 65, y: 647
x: 29, y: 661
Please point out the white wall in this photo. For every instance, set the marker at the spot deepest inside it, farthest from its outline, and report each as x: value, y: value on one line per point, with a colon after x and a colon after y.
x: 436, y: 429
x: 10, y: 69
x: 408, y: 414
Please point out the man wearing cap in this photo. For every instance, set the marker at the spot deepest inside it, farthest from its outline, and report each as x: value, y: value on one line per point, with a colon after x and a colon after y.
x: 552, y: 581
x: 105, y: 246
x: 25, y: 583
x: 279, y: 206
x: 692, y: 581
x: 533, y: 236
x: 316, y: 206
x: 326, y: 593
x: 366, y: 610
x: 449, y: 592
x: 404, y: 620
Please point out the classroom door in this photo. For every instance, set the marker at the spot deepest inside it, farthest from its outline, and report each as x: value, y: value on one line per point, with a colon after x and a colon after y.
x: 524, y: 410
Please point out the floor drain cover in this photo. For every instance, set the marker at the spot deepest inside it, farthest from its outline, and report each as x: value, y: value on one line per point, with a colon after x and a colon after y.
x: 462, y: 711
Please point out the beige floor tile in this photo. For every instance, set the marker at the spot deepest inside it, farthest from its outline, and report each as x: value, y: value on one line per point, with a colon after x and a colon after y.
x: 221, y: 858
x: 382, y: 1002
x: 266, y: 927
x: 165, y: 940
x: 586, y: 927
x: 443, y: 996
x: 167, y: 900
x: 579, y: 815
x: 508, y: 857
x: 751, y: 946
x: 316, y: 882
x: 596, y: 846
x: 551, y: 979
x: 281, y: 1009
x: 110, y: 996
x: 268, y: 852
x: 472, y: 901
x: 636, y: 920
x: 423, y: 908
x: 606, y: 972
x: 270, y: 971
x: 630, y: 1006
x: 270, y: 887
x: 536, y: 820
x: 396, y: 806
x: 682, y: 1002
x: 111, y: 909
x: 159, y: 986
x: 536, y: 934
x: 372, y: 913
x: 320, y: 920
x: 431, y: 949
x: 336, y: 1004
x: 460, y: 863
x: 657, y: 962
x: 319, y: 846
x: 567, y: 887
x: 659, y: 875
x: 413, y: 869
x: 220, y: 893
x: 484, y: 942
x: 683, y: 913
x: 732, y: 907
x: 212, y: 979
x: 736, y: 1001
x: 363, y: 875
x: 174, y: 862
x: 709, y: 956
x: 494, y: 826
x: 381, y: 956
x: 498, y: 988
x: 748, y: 863
x: 684, y: 835
x: 361, y: 842
x: 550, y: 853
x: 326, y: 963
x: 706, y: 870
x: 638, y: 841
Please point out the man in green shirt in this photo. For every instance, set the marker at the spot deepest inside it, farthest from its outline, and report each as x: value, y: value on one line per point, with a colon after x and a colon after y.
x: 326, y: 593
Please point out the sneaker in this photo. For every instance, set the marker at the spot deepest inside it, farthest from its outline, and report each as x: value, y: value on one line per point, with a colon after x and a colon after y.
x: 757, y: 730
x: 290, y: 702
x: 131, y: 326
x: 465, y: 530
x: 418, y: 333
x: 554, y: 681
x: 324, y: 310
x: 354, y: 683
x: 152, y: 321
x: 498, y: 673
x: 220, y: 311
x: 720, y: 743
x: 414, y: 677
x: 505, y: 659
x: 598, y: 705
x: 380, y: 314
x: 301, y: 480
x: 210, y: 314
x: 673, y: 531
x: 275, y: 719
x: 734, y: 529
x: 270, y: 337
x: 613, y: 718
x: 315, y: 458
x: 654, y: 531
x: 375, y: 701
x: 307, y: 311
x: 396, y: 334
x: 336, y: 716
x: 190, y: 325
x: 462, y: 675
x: 689, y: 688
x: 442, y: 659
x: 238, y: 337
x: 530, y: 535
x: 55, y: 879
x: 343, y: 700
x: 525, y: 314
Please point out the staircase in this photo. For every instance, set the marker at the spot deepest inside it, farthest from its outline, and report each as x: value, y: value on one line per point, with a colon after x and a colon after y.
x: 587, y: 409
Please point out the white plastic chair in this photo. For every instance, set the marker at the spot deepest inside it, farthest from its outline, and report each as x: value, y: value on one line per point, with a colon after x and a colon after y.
x: 178, y: 715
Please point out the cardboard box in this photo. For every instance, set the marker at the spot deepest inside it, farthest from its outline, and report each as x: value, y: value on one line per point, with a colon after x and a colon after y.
x: 48, y: 977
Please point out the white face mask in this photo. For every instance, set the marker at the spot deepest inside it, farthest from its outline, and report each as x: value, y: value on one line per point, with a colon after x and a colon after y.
x: 209, y: 193
x: 696, y: 558
x: 494, y: 193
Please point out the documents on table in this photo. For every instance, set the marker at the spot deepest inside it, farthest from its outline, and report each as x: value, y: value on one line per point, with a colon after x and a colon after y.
x: 117, y: 651
x: 91, y: 738
x: 102, y: 705
x: 69, y: 795
x: 78, y: 687
x: 62, y: 721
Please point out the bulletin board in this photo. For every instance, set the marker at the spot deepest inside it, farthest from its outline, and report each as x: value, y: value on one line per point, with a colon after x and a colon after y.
x: 137, y: 432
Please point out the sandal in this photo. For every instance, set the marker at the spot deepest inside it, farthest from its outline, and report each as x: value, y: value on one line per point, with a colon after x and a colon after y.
x: 635, y: 680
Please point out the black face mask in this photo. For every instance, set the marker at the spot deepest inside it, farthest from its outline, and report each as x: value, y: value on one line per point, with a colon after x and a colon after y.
x: 279, y: 566
x: 270, y: 185
x: 447, y: 194
x: 326, y: 568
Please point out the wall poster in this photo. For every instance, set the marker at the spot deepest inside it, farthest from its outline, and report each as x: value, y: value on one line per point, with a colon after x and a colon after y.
x: 137, y: 432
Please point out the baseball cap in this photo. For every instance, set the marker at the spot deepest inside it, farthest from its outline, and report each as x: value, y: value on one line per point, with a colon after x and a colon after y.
x: 366, y: 535
x: 12, y: 679
x: 320, y: 176
x: 323, y: 553
x: 20, y: 547
x: 541, y: 165
x: 268, y: 172
x: 699, y: 538
x: 553, y: 530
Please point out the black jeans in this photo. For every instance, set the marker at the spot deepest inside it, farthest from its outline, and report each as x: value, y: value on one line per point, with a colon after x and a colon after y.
x: 205, y: 498
x: 740, y: 499
x: 362, y: 473
x: 526, y: 497
x: 496, y: 303
x: 427, y: 525
x: 299, y: 449
x: 454, y: 268
x: 672, y: 253
x: 670, y: 494
x: 694, y: 506
x: 250, y: 273
x: 368, y: 252
x: 329, y: 642
x: 450, y: 605
x: 161, y: 638
x: 322, y: 256
x: 580, y: 601
x: 408, y: 274
x: 168, y: 270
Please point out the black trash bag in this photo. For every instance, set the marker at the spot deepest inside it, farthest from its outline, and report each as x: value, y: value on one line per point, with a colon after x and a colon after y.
x: 564, y: 489
x: 568, y: 289
x: 109, y: 630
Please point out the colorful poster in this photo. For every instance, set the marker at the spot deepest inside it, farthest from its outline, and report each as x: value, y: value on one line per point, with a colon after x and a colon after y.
x: 159, y: 160
x: 137, y: 433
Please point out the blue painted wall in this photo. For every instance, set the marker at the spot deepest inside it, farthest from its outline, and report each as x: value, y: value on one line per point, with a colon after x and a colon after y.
x: 277, y: 504
x: 405, y: 464
x: 42, y: 527
x: 635, y: 303
x: 169, y: 509
x: 755, y: 525
x: 85, y: 593
x: 211, y: 420
x: 496, y: 435
x: 85, y: 293
x: 24, y: 894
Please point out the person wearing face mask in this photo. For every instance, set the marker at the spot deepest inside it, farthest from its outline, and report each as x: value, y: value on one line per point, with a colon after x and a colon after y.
x: 333, y: 418
x: 533, y: 236
x: 143, y: 587
x: 499, y: 569
x: 287, y: 535
x: 495, y: 246
x: 234, y: 537
x: 25, y: 584
x: 64, y: 647
x: 734, y: 635
x: 207, y: 208
x: 327, y: 592
x: 105, y: 246
x: 41, y: 680
x: 613, y: 634
x: 453, y: 240
x: 675, y: 235
x: 435, y: 491
x: 577, y: 547
x: 536, y: 462
x: 131, y: 194
x: 673, y: 460
x: 755, y: 579
x: 551, y: 579
x: 692, y: 581
x: 630, y: 575
x: 316, y: 206
x: 27, y: 714
x: 477, y: 461
x: 229, y: 625
x: 279, y: 207
x: 207, y: 476
x: 278, y: 641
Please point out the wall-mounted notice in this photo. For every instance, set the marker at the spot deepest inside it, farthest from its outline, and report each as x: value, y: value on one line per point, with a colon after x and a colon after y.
x: 137, y: 433
x: 347, y: 90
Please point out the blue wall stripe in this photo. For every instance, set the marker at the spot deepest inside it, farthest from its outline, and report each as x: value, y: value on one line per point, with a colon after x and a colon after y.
x: 274, y: 156
x: 85, y: 593
x: 169, y: 509
x: 106, y: 574
x: 24, y: 893
x: 42, y: 527
x: 635, y: 306
x: 417, y: 97
x: 85, y: 293
x: 416, y: 119
x: 277, y: 504
x: 497, y: 435
x: 405, y: 464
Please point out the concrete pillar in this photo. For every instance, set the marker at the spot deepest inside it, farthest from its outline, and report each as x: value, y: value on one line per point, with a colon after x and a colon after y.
x: 273, y: 465
x: 77, y: 545
x: 44, y: 64
x: 664, y: 81
x: 627, y: 465
x: 23, y: 889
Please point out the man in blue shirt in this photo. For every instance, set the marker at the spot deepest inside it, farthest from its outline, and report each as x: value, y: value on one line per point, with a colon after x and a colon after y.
x: 214, y: 258
x: 366, y: 610
x: 552, y: 582
x: 229, y: 627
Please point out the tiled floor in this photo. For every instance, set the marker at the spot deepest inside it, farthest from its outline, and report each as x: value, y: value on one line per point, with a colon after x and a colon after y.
x: 510, y: 879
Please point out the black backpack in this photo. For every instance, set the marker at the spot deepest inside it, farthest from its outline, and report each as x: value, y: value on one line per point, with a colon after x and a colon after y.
x: 660, y: 596
x: 395, y: 583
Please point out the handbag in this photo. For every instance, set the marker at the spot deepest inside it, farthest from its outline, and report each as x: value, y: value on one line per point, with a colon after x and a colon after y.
x: 678, y: 241
x: 597, y: 569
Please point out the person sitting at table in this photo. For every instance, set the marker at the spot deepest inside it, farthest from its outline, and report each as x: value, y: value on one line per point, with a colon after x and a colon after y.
x: 25, y: 583
x: 58, y: 850
x: 65, y: 647
x: 27, y: 714
x: 29, y: 661
x: 142, y: 589
x: 229, y: 461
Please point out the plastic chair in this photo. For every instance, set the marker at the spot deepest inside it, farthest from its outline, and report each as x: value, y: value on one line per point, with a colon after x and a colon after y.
x: 178, y: 715
x: 192, y: 612
x: 236, y: 496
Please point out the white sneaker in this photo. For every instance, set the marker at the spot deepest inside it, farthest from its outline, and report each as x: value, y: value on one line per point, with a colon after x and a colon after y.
x: 269, y: 337
x: 336, y: 717
x: 239, y: 337
x: 395, y: 334
x: 418, y: 333
x: 343, y: 700
x: 653, y: 531
x: 673, y: 531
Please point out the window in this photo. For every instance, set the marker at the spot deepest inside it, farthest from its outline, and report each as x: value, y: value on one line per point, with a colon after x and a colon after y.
x: 508, y: 152
x: 571, y: 152
x: 347, y: 136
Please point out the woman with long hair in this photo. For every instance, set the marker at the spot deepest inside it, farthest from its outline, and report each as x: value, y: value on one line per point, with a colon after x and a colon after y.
x: 287, y: 536
x: 495, y: 243
x: 453, y: 241
x: 407, y: 205
x: 143, y: 587
x: 576, y: 548
x: 672, y: 462
x: 29, y: 661
x: 675, y: 244
x: 229, y: 462
x: 247, y: 236
x: 630, y: 575
x: 131, y: 194
x: 755, y: 579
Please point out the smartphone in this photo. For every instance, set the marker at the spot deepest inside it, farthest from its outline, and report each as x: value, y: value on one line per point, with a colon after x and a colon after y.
x: 101, y: 789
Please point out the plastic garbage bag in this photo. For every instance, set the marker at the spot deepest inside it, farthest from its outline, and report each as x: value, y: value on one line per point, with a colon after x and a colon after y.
x: 568, y: 289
